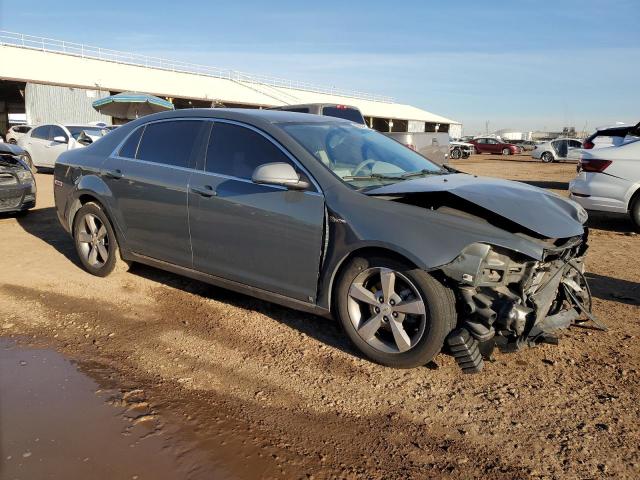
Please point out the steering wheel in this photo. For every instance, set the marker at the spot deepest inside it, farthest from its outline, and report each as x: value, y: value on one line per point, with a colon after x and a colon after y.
x: 362, y: 165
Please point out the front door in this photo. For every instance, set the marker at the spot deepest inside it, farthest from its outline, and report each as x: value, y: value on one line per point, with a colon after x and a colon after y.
x: 258, y: 235
x: 148, y: 179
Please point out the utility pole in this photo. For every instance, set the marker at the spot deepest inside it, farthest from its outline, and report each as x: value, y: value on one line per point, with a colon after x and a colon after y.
x: 486, y: 127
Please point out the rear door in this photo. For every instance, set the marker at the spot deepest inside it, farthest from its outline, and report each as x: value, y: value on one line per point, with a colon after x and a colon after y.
x: 148, y: 178
x: 263, y: 236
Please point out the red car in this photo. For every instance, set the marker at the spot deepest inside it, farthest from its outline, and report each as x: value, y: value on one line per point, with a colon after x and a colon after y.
x: 494, y: 145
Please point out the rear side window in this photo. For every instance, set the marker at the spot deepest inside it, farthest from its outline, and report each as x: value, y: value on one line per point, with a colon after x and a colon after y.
x: 130, y: 147
x: 170, y: 143
x: 41, y: 132
x: 344, y: 112
x: 237, y: 151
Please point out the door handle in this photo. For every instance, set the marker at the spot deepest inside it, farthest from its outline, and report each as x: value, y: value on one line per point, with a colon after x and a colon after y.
x: 116, y: 174
x: 206, y: 191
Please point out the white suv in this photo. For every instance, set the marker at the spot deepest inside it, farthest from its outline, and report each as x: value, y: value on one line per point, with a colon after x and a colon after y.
x: 609, y: 180
x: 45, y: 143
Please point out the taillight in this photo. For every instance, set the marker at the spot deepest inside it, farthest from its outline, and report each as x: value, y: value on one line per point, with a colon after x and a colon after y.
x: 588, y: 145
x: 341, y: 107
x: 593, y: 165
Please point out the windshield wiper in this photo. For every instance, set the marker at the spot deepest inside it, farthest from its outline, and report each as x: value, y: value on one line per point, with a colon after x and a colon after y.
x: 422, y: 172
x: 373, y: 176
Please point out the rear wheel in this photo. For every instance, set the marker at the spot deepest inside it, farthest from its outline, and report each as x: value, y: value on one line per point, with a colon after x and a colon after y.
x: 395, y: 314
x: 95, y: 241
x: 634, y: 212
x: 547, y: 157
x: 12, y: 141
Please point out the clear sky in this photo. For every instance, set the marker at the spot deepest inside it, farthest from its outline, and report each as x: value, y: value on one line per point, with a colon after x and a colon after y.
x: 519, y: 64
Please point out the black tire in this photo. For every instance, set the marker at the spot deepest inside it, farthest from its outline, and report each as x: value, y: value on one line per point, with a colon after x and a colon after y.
x: 455, y: 154
x: 547, y: 157
x: 13, y: 141
x: 506, y: 151
x: 634, y: 213
x: 113, y: 262
x: 440, y: 318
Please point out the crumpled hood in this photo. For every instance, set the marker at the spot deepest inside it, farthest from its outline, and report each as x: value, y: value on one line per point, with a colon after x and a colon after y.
x: 543, y: 212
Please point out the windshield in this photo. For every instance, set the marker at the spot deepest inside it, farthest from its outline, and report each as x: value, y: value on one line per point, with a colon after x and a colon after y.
x: 91, y: 131
x: 360, y: 156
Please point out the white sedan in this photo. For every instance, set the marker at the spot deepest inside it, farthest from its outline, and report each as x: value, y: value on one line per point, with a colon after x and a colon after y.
x: 45, y: 143
x: 609, y: 180
x: 558, y: 150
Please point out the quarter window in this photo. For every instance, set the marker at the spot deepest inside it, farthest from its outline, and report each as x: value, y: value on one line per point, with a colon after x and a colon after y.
x: 41, y: 132
x: 170, y: 143
x: 237, y: 151
x: 130, y: 147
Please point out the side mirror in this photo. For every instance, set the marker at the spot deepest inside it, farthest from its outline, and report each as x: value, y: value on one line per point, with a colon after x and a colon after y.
x: 279, y: 173
x: 60, y: 139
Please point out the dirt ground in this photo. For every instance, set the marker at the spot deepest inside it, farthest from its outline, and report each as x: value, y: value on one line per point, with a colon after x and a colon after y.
x: 271, y: 392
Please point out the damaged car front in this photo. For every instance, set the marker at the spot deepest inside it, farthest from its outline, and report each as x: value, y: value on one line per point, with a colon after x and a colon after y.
x: 512, y: 254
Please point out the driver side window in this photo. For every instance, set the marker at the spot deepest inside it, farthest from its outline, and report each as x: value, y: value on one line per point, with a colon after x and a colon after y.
x: 237, y: 151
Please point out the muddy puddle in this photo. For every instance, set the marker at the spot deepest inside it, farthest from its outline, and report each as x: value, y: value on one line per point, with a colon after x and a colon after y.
x: 58, y: 423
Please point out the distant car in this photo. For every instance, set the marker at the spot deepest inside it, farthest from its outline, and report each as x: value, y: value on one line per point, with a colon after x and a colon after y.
x: 609, y: 180
x: 345, y: 112
x: 459, y: 149
x: 610, y: 136
x: 16, y: 132
x: 525, y: 145
x: 559, y: 150
x: 17, y: 185
x: 43, y: 144
x: 494, y: 145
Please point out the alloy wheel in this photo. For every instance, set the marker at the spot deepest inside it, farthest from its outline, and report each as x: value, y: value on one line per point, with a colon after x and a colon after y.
x: 93, y: 240
x: 387, y: 310
x: 547, y: 157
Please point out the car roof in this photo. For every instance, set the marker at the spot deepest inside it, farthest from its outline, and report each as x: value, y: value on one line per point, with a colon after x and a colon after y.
x: 246, y: 114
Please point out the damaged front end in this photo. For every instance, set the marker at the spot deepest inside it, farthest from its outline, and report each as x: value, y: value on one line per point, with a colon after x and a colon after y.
x: 510, y: 301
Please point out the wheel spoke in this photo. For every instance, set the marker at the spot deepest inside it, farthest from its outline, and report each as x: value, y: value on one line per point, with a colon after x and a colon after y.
x: 93, y: 255
x: 91, y: 223
x: 102, y: 232
x: 415, y: 307
x: 388, y: 280
x: 359, y: 292
x: 104, y: 254
x: 84, y: 237
x: 403, y: 342
x: 369, y: 328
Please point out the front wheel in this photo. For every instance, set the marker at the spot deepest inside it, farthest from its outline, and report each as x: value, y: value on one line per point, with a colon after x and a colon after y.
x: 634, y: 212
x: 395, y: 314
x: 547, y: 157
x: 455, y: 154
x: 506, y: 151
x: 95, y: 241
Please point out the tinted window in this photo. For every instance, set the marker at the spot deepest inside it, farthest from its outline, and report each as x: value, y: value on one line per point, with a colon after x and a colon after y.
x: 170, y: 143
x: 347, y: 113
x: 297, y: 110
x: 22, y: 129
x: 237, y: 151
x: 41, y: 132
x: 130, y: 147
x: 57, y: 131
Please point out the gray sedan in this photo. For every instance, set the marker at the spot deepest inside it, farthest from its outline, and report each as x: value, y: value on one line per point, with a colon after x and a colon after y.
x: 326, y: 216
